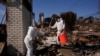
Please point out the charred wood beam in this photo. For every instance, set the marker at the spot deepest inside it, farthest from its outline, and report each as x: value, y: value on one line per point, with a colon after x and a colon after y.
x: 3, y: 1
x: 28, y: 5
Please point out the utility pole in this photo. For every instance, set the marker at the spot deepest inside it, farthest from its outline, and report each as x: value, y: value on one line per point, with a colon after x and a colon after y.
x: 41, y: 16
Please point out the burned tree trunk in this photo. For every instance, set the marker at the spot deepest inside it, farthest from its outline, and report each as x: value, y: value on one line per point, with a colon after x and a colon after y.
x: 69, y: 20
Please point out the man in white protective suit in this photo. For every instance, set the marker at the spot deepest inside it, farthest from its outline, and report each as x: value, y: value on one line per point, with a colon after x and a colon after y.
x: 30, y: 39
x: 60, y: 27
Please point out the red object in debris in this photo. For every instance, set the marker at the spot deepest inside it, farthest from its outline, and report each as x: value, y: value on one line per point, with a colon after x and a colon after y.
x: 63, y: 38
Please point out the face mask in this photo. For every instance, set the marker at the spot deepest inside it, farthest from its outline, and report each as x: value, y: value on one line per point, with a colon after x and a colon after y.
x: 58, y: 20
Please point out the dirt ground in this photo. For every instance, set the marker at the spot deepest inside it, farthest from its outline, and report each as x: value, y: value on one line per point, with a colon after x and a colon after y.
x: 66, y: 52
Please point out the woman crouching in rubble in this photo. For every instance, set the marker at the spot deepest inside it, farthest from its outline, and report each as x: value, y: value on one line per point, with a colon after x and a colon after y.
x: 30, y: 39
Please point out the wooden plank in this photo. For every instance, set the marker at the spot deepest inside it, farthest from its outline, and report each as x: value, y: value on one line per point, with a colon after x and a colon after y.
x: 2, y: 44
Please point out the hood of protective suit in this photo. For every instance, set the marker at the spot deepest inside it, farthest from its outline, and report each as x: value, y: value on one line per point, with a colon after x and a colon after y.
x: 30, y: 27
x: 59, y: 25
x: 30, y: 30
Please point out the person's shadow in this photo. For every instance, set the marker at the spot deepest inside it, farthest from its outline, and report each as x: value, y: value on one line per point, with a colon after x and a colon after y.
x: 12, y: 51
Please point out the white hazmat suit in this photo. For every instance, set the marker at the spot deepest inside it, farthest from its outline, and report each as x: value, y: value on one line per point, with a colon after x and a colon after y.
x: 60, y: 26
x: 29, y: 40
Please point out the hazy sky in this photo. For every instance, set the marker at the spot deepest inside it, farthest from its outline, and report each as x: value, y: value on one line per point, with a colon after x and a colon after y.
x: 80, y: 7
x: 2, y: 11
x: 48, y: 7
